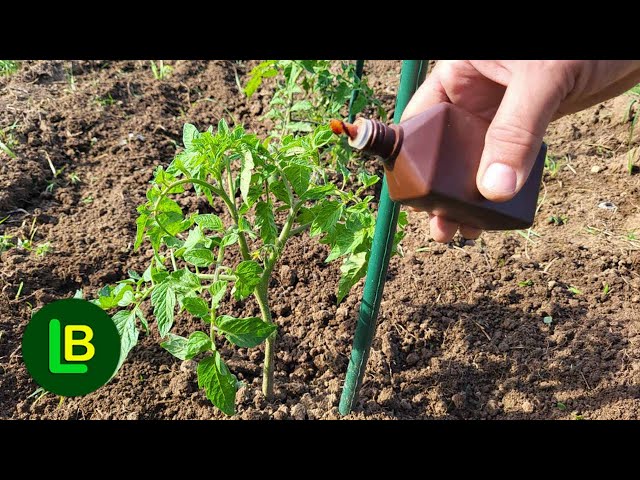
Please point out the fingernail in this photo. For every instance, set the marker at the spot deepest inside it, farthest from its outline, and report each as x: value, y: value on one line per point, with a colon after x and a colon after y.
x: 499, y: 178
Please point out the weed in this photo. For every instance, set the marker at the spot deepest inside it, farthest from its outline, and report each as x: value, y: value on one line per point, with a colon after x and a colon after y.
x: 160, y: 70
x: 558, y: 219
x: 606, y: 290
x: 105, y: 101
x: 574, y: 290
x: 548, y: 320
x: 526, y: 283
x: 87, y: 200
x: 8, y: 140
x: 19, y: 290
x: 561, y: 406
x: 8, y: 67
x: 43, y: 249
x: 552, y: 165
x: 74, y: 178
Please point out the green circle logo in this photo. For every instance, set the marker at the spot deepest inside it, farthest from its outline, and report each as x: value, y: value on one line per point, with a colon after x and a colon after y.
x: 71, y: 347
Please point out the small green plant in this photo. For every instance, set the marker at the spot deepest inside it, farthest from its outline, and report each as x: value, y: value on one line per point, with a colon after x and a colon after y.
x: 574, y: 290
x: 8, y: 140
x: 558, y: 219
x: 552, y: 165
x: 561, y: 406
x: 548, y: 320
x: 526, y: 283
x: 43, y: 249
x: 87, y: 200
x: 27, y: 243
x: 71, y: 79
x: 160, y: 70
x: 631, y: 236
x: 105, y: 101
x: 19, y: 290
x: 74, y: 178
x: 7, y: 67
x: 606, y: 290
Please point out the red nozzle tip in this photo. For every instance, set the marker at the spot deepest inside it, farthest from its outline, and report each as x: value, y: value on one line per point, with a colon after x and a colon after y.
x: 339, y: 127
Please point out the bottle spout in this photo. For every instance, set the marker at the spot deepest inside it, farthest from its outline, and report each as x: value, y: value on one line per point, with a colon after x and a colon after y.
x: 339, y: 128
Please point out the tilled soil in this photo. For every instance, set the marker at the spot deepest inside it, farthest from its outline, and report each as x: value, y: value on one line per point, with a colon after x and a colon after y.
x: 461, y: 330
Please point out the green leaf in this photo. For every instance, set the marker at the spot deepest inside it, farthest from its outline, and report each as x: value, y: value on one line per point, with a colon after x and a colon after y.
x: 303, y: 105
x: 298, y: 176
x: 229, y: 239
x: 125, y: 321
x: 210, y: 221
x: 189, y: 132
x: 266, y: 222
x: 248, y: 273
x: 327, y: 216
x: 176, y: 346
x: 120, y: 296
x: 184, y: 281
x: 78, y: 294
x: 218, y: 382
x: 244, y: 332
x: 300, y: 127
x: 196, y: 306
x: 353, y: 269
x: 279, y: 190
x: 163, y: 299
x: 245, y: 175
x: 198, y: 342
x: 141, y: 224
x: 200, y: 257
x: 316, y: 193
x: 217, y: 290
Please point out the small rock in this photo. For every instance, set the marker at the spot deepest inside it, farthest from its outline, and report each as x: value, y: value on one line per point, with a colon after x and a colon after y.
x: 635, y: 299
x: 188, y: 366
x: 412, y: 359
x: 527, y: 406
x: 596, y: 169
x: 385, y: 395
x: 492, y: 406
x: 321, y: 316
x: 133, y: 416
x: 288, y: 276
x: 164, y: 368
x: 299, y: 411
x: 459, y: 399
x: 281, y: 413
x: 551, y: 284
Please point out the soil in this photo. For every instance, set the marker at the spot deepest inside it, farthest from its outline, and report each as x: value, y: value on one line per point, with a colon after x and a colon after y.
x: 461, y: 330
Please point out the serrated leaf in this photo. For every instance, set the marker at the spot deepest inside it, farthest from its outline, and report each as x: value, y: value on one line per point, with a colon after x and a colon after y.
x: 218, y: 382
x: 302, y: 105
x: 125, y: 321
x: 163, y: 299
x: 200, y: 257
x: 198, y: 342
x: 210, y: 221
x: 316, y: 193
x: 248, y: 273
x: 352, y: 269
x: 298, y: 176
x: 196, y: 306
x: 141, y: 225
x: 266, y: 222
x: 176, y: 346
x: 189, y: 132
x: 184, y: 281
x: 280, y: 192
x: 327, y: 215
x: 217, y: 290
x: 245, y: 332
x: 229, y: 239
x: 245, y: 175
x: 300, y: 127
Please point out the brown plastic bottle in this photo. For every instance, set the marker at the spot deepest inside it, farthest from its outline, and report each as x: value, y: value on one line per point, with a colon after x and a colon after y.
x: 431, y: 162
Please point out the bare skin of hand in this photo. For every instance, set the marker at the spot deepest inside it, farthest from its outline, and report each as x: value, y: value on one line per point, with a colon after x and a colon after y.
x: 520, y: 98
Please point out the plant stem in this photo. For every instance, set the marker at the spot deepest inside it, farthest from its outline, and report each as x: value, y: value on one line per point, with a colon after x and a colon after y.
x: 261, y: 296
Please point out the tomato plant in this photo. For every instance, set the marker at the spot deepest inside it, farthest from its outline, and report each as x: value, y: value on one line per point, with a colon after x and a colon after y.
x: 270, y: 189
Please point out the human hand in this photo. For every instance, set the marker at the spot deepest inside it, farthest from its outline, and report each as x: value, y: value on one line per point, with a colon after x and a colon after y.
x: 520, y: 98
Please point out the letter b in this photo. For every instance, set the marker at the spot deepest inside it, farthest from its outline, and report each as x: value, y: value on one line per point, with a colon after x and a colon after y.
x: 70, y: 342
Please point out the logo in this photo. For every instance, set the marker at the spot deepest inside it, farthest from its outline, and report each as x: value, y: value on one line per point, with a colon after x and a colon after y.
x: 71, y: 347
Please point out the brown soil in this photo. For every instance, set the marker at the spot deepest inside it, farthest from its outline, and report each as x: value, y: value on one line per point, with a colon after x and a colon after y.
x: 461, y: 333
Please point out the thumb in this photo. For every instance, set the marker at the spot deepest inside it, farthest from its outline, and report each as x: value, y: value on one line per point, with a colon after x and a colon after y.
x: 514, y: 137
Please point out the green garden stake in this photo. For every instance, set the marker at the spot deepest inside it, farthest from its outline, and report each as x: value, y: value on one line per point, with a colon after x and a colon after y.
x: 412, y: 74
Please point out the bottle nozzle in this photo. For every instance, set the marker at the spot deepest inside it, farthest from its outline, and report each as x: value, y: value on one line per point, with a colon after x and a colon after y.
x: 339, y: 127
